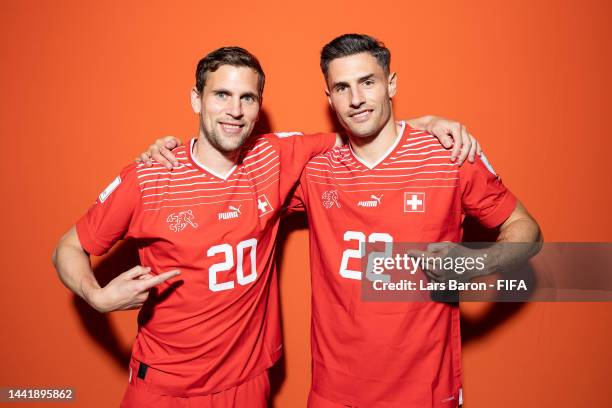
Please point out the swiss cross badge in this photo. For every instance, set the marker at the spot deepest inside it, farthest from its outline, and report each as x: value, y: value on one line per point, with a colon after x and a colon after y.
x: 414, y: 202
x: 263, y: 205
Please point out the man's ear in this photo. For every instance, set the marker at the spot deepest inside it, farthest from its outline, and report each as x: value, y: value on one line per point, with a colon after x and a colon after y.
x: 260, y: 108
x: 392, y: 84
x: 196, y: 100
x: 328, y: 94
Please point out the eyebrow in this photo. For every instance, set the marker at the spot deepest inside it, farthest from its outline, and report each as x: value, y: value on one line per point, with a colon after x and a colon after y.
x: 361, y: 79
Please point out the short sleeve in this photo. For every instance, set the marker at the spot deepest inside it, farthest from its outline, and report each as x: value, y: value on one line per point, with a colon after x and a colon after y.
x: 108, y: 219
x: 295, y: 150
x: 483, y: 195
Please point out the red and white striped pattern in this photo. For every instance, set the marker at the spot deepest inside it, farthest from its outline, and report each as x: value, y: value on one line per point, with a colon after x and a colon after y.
x: 190, y: 185
x: 418, y: 161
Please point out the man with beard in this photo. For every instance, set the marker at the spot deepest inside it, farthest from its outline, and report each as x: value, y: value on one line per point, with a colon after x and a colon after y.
x: 213, y: 219
x: 390, y: 183
x: 389, y: 354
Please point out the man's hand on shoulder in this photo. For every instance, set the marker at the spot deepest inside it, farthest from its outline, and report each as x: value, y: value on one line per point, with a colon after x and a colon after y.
x: 451, y: 134
x: 161, y: 151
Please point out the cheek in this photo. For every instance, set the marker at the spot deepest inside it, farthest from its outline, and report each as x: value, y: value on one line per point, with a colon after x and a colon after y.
x: 339, y: 103
x: 251, y: 112
x: 380, y: 99
x: 213, y: 107
x: 377, y: 95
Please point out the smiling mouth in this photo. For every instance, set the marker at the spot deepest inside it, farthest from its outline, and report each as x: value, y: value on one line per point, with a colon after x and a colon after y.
x: 361, y: 114
x: 231, y: 127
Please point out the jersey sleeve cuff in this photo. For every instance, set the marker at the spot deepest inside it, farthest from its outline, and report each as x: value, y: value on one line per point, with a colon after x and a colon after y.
x: 501, y: 213
x: 87, y: 240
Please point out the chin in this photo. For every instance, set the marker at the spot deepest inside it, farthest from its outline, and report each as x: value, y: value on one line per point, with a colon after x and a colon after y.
x: 230, y: 148
x: 234, y: 145
x: 363, y: 131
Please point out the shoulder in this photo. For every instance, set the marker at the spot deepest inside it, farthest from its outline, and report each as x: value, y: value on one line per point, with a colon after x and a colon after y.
x: 337, y: 155
x: 157, y: 171
x: 260, y: 144
x: 268, y: 142
x: 421, y: 145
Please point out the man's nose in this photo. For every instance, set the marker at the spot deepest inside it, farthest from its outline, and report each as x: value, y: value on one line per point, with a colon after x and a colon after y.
x: 357, y: 98
x: 235, y: 109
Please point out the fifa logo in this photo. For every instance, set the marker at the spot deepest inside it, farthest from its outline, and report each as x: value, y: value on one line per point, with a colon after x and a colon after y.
x: 179, y: 221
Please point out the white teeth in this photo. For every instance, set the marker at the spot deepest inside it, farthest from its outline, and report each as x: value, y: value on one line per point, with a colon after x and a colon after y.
x: 362, y: 114
x: 231, y: 128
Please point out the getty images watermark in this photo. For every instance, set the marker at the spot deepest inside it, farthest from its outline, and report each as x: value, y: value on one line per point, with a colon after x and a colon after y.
x: 452, y: 266
x: 506, y: 272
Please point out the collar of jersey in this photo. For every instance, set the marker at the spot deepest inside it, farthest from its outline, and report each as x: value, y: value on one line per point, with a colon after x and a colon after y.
x: 386, y: 154
x: 203, y: 167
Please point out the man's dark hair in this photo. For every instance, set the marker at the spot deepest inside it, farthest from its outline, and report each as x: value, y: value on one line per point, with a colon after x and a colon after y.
x: 234, y: 56
x: 351, y: 44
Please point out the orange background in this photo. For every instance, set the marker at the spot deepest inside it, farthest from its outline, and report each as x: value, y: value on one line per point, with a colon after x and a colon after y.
x: 87, y: 85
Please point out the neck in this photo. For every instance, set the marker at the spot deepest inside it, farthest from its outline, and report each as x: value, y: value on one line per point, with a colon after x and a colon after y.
x: 215, y: 160
x: 371, y: 149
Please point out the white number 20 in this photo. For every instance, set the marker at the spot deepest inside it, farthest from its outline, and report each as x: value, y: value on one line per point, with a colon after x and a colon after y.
x: 360, y: 252
x: 228, y: 264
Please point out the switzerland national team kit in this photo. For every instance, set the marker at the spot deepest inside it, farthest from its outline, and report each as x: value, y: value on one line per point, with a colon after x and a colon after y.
x: 400, y: 354
x: 215, y: 331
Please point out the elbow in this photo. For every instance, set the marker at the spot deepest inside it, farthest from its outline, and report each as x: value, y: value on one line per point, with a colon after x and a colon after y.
x: 538, y: 237
x: 64, y: 242
x: 54, y: 257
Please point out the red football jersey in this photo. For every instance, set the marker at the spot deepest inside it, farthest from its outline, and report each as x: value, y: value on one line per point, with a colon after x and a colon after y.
x: 219, y: 327
x: 389, y: 354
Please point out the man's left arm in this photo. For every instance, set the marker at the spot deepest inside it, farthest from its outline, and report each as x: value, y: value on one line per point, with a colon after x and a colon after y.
x: 485, y: 198
x: 521, y: 228
x: 451, y: 134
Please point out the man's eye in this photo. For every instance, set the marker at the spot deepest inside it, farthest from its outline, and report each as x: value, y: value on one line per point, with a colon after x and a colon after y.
x: 369, y: 82
x: 248, y: 99
x: 222, y: 95
x: 341, y: 88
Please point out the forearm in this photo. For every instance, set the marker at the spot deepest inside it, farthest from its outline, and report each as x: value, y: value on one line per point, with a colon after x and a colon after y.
x: 521, y: 230
x: 74, y: 269
x: 518, y: 241
x: 420, y: 123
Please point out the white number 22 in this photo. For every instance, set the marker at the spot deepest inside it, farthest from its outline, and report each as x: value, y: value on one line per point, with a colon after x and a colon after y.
x: 360, y: 252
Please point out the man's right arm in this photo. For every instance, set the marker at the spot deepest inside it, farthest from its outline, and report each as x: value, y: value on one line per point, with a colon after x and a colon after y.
x: 73, y: 266
x: 129, y: 290
x: 106, y: 222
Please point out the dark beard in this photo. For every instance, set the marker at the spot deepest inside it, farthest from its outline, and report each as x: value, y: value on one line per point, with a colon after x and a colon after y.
x: 213, y: 139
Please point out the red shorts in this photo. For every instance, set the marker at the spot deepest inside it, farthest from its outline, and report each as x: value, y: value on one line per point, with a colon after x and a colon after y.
x: 146, y: 393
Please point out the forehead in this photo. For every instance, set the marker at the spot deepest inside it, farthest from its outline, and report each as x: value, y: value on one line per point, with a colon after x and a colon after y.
x: 353, y: 67
x: 231, y: 78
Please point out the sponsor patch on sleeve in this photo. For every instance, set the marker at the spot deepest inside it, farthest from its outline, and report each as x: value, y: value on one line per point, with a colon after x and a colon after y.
x: 109, y: 190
